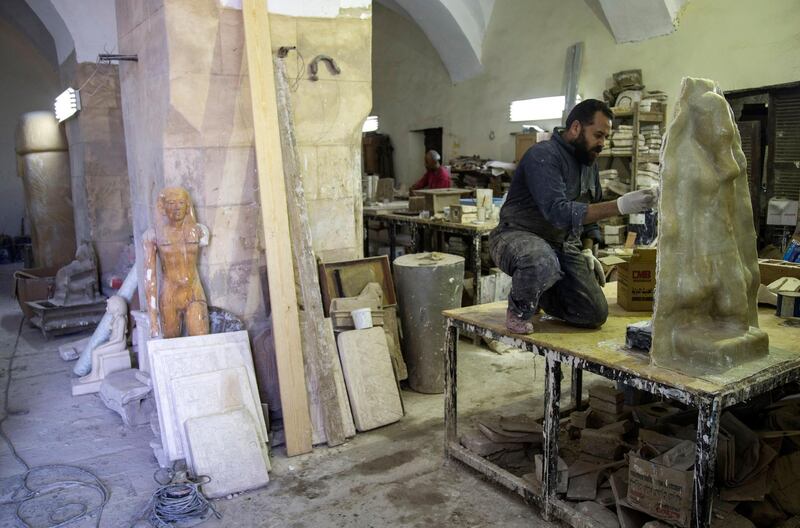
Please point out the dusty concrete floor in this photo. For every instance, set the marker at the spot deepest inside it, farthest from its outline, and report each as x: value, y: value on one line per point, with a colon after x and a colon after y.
x: 393, y: 476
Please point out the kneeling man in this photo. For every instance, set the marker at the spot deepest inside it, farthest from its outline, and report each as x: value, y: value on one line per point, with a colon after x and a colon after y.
x: 554, y: 198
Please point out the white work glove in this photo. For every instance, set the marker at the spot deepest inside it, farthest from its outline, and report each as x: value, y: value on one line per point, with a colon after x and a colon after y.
x: 637, y: 201
x: 595, y: 266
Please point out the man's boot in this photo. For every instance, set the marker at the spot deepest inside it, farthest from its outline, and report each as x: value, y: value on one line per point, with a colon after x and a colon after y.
x: 518, y: 325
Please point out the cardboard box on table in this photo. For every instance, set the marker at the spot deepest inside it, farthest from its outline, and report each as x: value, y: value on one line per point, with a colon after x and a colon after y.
x: 636, y: 281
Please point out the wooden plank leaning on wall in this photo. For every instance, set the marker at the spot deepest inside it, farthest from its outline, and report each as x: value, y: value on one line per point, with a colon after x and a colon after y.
x: 275, y: 219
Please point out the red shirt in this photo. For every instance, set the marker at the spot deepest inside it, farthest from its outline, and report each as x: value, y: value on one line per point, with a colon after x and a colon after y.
x: 433, y: 179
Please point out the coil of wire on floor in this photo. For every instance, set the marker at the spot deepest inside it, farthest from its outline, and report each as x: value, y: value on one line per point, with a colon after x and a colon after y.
x: 179, y: 501
x: 35, y: 486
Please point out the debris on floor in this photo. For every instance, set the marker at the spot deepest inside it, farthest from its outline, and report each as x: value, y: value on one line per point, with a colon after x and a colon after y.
x: 638, y: 470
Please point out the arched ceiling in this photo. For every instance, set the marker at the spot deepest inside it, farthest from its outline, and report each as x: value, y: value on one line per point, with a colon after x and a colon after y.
x: 455, y: 28
x: 637, y: 20
x: 19, y: 15
x: 87, y: 27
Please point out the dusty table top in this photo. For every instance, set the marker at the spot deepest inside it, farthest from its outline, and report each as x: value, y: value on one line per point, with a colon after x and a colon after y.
x: 394, y: 205
x: 606, y: 346
x: 483, y: 227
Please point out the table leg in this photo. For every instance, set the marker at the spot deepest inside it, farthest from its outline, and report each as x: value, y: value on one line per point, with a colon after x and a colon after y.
x: 450, y: 385
x: 366, y: 238
x: 414, y: 234
x: 476, y: 267
x: 476, y: 274
x: 392, y: 241
x: 577, y: 389
x: 552, y: 420
x: 709, y: 413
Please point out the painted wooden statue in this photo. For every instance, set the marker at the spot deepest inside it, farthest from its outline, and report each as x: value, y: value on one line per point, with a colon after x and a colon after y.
x: 180, y: 302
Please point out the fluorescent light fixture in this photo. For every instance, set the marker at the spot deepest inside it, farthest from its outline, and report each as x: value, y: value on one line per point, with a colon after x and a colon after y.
x: 537, y: 109
x: 370, y: 125
x: 67, y: 104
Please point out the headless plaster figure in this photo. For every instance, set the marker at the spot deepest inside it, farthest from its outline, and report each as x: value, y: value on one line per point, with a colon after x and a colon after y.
x: 705, y: 315
x: 76, y: 283
x: 176, y: 240
x: 111, y: 356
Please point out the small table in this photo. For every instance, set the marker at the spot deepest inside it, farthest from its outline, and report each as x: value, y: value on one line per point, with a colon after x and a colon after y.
x: 475, y: 232
x: 602, y: 352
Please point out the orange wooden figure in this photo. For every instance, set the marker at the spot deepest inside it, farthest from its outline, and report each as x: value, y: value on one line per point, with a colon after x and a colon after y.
x: 176, y: 241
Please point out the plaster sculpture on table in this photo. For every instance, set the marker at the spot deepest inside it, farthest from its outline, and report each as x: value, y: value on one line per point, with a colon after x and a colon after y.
x: 111, y: 356
x: 705, y: 315
x: 43, y: 166
x: 179, y: 302
x: 77, y: 283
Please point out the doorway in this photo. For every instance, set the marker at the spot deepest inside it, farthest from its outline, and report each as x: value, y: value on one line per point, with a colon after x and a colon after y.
x: 433, y: 139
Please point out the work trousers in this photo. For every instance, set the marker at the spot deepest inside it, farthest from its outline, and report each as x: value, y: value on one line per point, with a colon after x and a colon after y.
x: 553, y: 277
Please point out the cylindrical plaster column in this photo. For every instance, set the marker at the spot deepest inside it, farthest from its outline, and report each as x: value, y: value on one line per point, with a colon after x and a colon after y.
x: 426, y: 285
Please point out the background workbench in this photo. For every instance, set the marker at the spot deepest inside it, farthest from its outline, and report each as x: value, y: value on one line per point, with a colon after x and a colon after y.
x: 602, y: 351
x: 474, y: 232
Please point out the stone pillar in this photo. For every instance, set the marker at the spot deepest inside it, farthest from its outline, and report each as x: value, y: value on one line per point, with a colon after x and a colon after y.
x: 144, y: 90
x: 188, y: 122
x: 329, y: 114
x: 100, y: 186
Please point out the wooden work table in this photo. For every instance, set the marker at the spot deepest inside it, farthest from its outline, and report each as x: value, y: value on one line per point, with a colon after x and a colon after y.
x: 602, y: 351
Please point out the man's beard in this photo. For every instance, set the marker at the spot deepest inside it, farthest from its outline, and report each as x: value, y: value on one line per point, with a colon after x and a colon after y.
x: 585, y: 155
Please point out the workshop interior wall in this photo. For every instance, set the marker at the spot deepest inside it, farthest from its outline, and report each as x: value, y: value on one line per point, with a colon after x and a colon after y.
x: 98, y: 166
x: 738, y: 43
x: 188, y: 122
x: 30, y: 83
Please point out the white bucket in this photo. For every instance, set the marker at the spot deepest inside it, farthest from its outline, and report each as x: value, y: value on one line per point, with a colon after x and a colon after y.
x: 362, y: 318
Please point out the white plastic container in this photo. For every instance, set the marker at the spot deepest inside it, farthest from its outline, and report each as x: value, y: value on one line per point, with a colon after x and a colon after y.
x: 362, y: 318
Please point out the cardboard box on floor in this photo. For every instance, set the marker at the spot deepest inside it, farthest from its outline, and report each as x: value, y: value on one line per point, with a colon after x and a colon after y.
x: 636, y: 281
x: 661, y: 491
x: 33, y: 284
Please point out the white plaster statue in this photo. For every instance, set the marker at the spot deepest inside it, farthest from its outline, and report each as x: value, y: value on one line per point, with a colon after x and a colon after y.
x: 111, y: 356
x: 77, y: 283
x: 707, y: 279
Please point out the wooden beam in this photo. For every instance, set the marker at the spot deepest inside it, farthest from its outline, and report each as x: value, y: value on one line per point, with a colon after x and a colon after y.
x: 319, y: 348
x: 275, y: 219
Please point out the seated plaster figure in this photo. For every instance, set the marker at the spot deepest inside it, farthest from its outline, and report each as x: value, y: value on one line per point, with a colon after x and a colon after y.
x: 111, y: 356
x: 76, y: 283
x: 180, y: 302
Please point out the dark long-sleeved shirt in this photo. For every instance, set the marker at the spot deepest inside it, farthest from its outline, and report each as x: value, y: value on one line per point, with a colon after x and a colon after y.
x: 550, y: 193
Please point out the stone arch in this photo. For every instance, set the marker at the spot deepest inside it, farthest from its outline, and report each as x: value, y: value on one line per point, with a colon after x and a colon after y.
x: 455, y: 28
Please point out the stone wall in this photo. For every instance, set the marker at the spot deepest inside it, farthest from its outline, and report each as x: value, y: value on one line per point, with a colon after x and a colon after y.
x: 100, y: 185
x: 523, y: 55
x: 188, y: 122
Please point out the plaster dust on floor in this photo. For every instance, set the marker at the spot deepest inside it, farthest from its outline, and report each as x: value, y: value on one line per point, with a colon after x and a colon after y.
x: 391, y: 476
